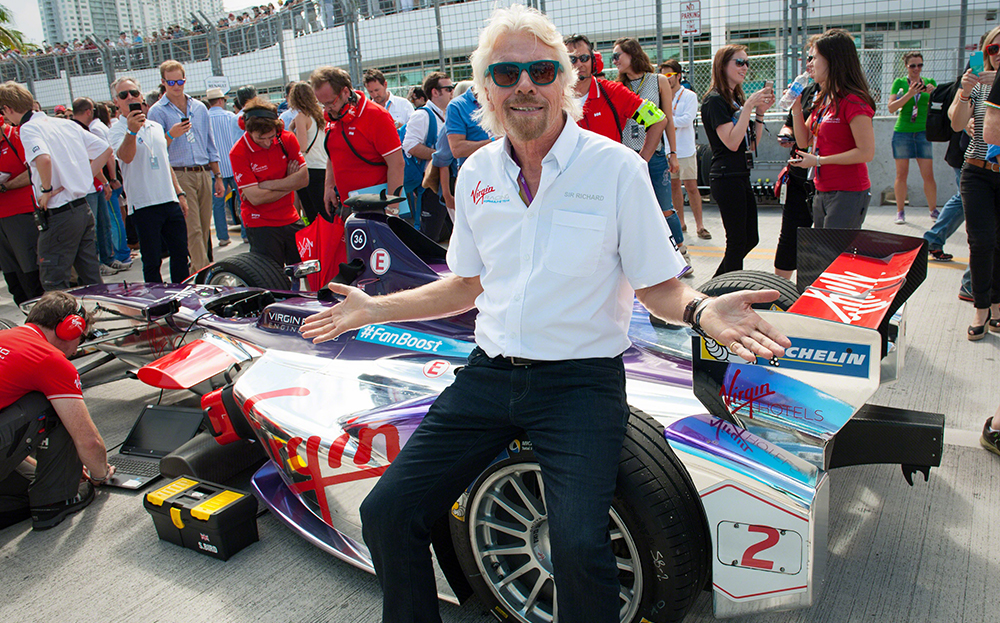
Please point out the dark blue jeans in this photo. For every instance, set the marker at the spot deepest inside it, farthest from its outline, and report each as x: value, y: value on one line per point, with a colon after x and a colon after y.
x: 575, y: 414
x: 158, y: 225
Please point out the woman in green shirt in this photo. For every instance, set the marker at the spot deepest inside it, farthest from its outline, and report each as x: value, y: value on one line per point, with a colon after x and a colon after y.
x: 910, y: 97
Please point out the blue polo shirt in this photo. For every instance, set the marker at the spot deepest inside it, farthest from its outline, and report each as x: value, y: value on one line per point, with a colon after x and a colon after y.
x: 184, y: 153
x: 459, y: 120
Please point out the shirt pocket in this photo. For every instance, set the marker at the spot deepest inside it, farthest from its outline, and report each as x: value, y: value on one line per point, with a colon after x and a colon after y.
x: 575, y: 242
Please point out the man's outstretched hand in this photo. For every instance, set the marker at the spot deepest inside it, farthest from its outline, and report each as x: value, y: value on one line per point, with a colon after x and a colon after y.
x: 731, y: 321
x: 354, y: 312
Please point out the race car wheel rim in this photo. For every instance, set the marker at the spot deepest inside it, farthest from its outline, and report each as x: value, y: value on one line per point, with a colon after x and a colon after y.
x: 226, y: 279
x: 509, y: 530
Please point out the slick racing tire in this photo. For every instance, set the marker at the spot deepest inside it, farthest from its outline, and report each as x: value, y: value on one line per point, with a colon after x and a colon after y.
x: 753, y: 280
x: 657, y: 525
x: 246, y: 269
x: 6, y: 324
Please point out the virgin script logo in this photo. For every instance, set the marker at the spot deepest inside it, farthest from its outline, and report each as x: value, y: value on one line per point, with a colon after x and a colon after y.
x: 736, y: 398
x: 479, y: 193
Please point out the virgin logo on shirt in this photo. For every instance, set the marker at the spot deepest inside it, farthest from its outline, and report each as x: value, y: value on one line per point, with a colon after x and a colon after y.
x: 479, y: 193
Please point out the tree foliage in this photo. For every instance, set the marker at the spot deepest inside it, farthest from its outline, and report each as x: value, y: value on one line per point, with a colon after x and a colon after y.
x: 9, y: 37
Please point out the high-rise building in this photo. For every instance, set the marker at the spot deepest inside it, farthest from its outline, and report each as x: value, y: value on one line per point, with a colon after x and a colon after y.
x: 66, y: 20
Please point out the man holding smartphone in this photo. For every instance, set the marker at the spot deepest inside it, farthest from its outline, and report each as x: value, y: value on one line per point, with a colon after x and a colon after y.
x: 193, y: 155
x: 157, y: 202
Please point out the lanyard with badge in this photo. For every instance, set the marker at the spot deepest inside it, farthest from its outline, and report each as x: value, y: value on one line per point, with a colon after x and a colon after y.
x: 820, y: 111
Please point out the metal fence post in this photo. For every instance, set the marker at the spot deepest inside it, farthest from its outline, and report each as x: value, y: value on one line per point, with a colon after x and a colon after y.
x: 659, y: 34
x: 962, y: 34
x: 353, y: 38
x: 440, y: 33
x: 214, y: 44
x: 281, y: 54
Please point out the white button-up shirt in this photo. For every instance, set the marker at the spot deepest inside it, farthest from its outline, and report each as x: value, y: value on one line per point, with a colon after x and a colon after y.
x: 400, y: 108
x: 148, y: 181
x: 70, y: 147
x: 559, y: 276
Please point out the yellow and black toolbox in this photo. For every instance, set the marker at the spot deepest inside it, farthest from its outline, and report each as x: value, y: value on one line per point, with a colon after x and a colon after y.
x: 204, y: 516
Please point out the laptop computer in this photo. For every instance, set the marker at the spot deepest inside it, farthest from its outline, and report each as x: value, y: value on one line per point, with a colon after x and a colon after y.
x: 157, y: 432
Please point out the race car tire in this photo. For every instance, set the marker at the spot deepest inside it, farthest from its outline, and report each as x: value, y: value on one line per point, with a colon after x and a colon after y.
x: 246, y: 269
x: 753, y: 280
x: 657, y: 524
x: 6, y: 324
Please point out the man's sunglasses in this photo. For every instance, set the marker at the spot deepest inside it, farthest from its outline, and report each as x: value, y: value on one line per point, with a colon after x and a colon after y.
x: 583, y: 58
x: 124, y: 94
x: 916, y: 66
x: 670, y: 74
x: 449, y: 88
x: 508, y: 73
x: 993, y: 49
x: 742, y: 62
x: 179, y: 83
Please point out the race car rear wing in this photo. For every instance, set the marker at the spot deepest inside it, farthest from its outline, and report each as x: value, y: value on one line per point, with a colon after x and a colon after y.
x: 858, y: 277
x: 840, y: 329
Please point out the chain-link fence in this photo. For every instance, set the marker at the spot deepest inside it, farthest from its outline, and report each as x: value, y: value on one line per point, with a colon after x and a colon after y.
x: 406, y: 39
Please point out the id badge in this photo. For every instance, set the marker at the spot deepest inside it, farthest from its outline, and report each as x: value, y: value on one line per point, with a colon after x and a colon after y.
x: 784, y: 191
x: 635, y: 131
x: 154, y: 163
x: 749, y: 157
x: 190, y: 136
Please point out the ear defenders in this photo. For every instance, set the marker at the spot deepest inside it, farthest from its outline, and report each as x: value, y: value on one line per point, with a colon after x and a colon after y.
x: 72, y: 326
x: 596, y: 63
x: 260, y: 113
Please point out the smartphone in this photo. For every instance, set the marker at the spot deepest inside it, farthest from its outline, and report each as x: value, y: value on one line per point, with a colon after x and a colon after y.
x: 976, y: 62
x: 184, y: 119
x: 769, y: 84
x: 135, y: 106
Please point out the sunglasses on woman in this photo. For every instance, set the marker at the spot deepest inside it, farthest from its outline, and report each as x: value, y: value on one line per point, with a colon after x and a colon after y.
x: 742, y: 62
x: 916, y: 66
x: 583, y: 58
x: 508, y: 73
x: 615, y: 56
x: 993, y: 49
x: 179, y: 83
x: 124, y: 94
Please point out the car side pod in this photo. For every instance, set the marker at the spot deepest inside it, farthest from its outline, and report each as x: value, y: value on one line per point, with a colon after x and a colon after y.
x: 192, y: 365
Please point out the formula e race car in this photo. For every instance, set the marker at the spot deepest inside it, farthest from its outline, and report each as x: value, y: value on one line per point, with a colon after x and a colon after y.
x: 723, y: 481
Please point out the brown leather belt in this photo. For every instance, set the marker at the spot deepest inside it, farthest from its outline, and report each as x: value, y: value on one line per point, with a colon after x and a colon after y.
x: 982, y: 164
x: 203, y: 167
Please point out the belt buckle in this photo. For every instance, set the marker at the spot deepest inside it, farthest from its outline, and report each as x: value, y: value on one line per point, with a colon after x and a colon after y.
x: 519, y: 361
x: 993, y: 166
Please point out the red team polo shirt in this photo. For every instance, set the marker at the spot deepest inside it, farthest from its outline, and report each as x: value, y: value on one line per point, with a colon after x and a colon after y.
x: 24, y: 354
x: 372, y: 133
x: 252, y: 164
x: 597, y: 114
x: 20, y: 200
x: 834, y: 136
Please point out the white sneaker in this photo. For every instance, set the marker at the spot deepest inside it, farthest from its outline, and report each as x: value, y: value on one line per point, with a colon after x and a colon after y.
x: 687, y: 259
x: 107, y: 271
x: 118, y: 265
x: 900, y: 218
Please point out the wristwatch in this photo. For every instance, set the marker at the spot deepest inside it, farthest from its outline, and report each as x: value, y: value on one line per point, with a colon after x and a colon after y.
x: 692, y: 315
x: 45, y: 190
x: 181, y: 194
x: 3, y: 188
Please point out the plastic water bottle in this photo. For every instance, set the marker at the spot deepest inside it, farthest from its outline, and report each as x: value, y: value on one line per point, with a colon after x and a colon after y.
x: 794, y: 90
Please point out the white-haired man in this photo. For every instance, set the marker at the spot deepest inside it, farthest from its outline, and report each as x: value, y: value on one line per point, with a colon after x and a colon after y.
x: 556, y: 226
